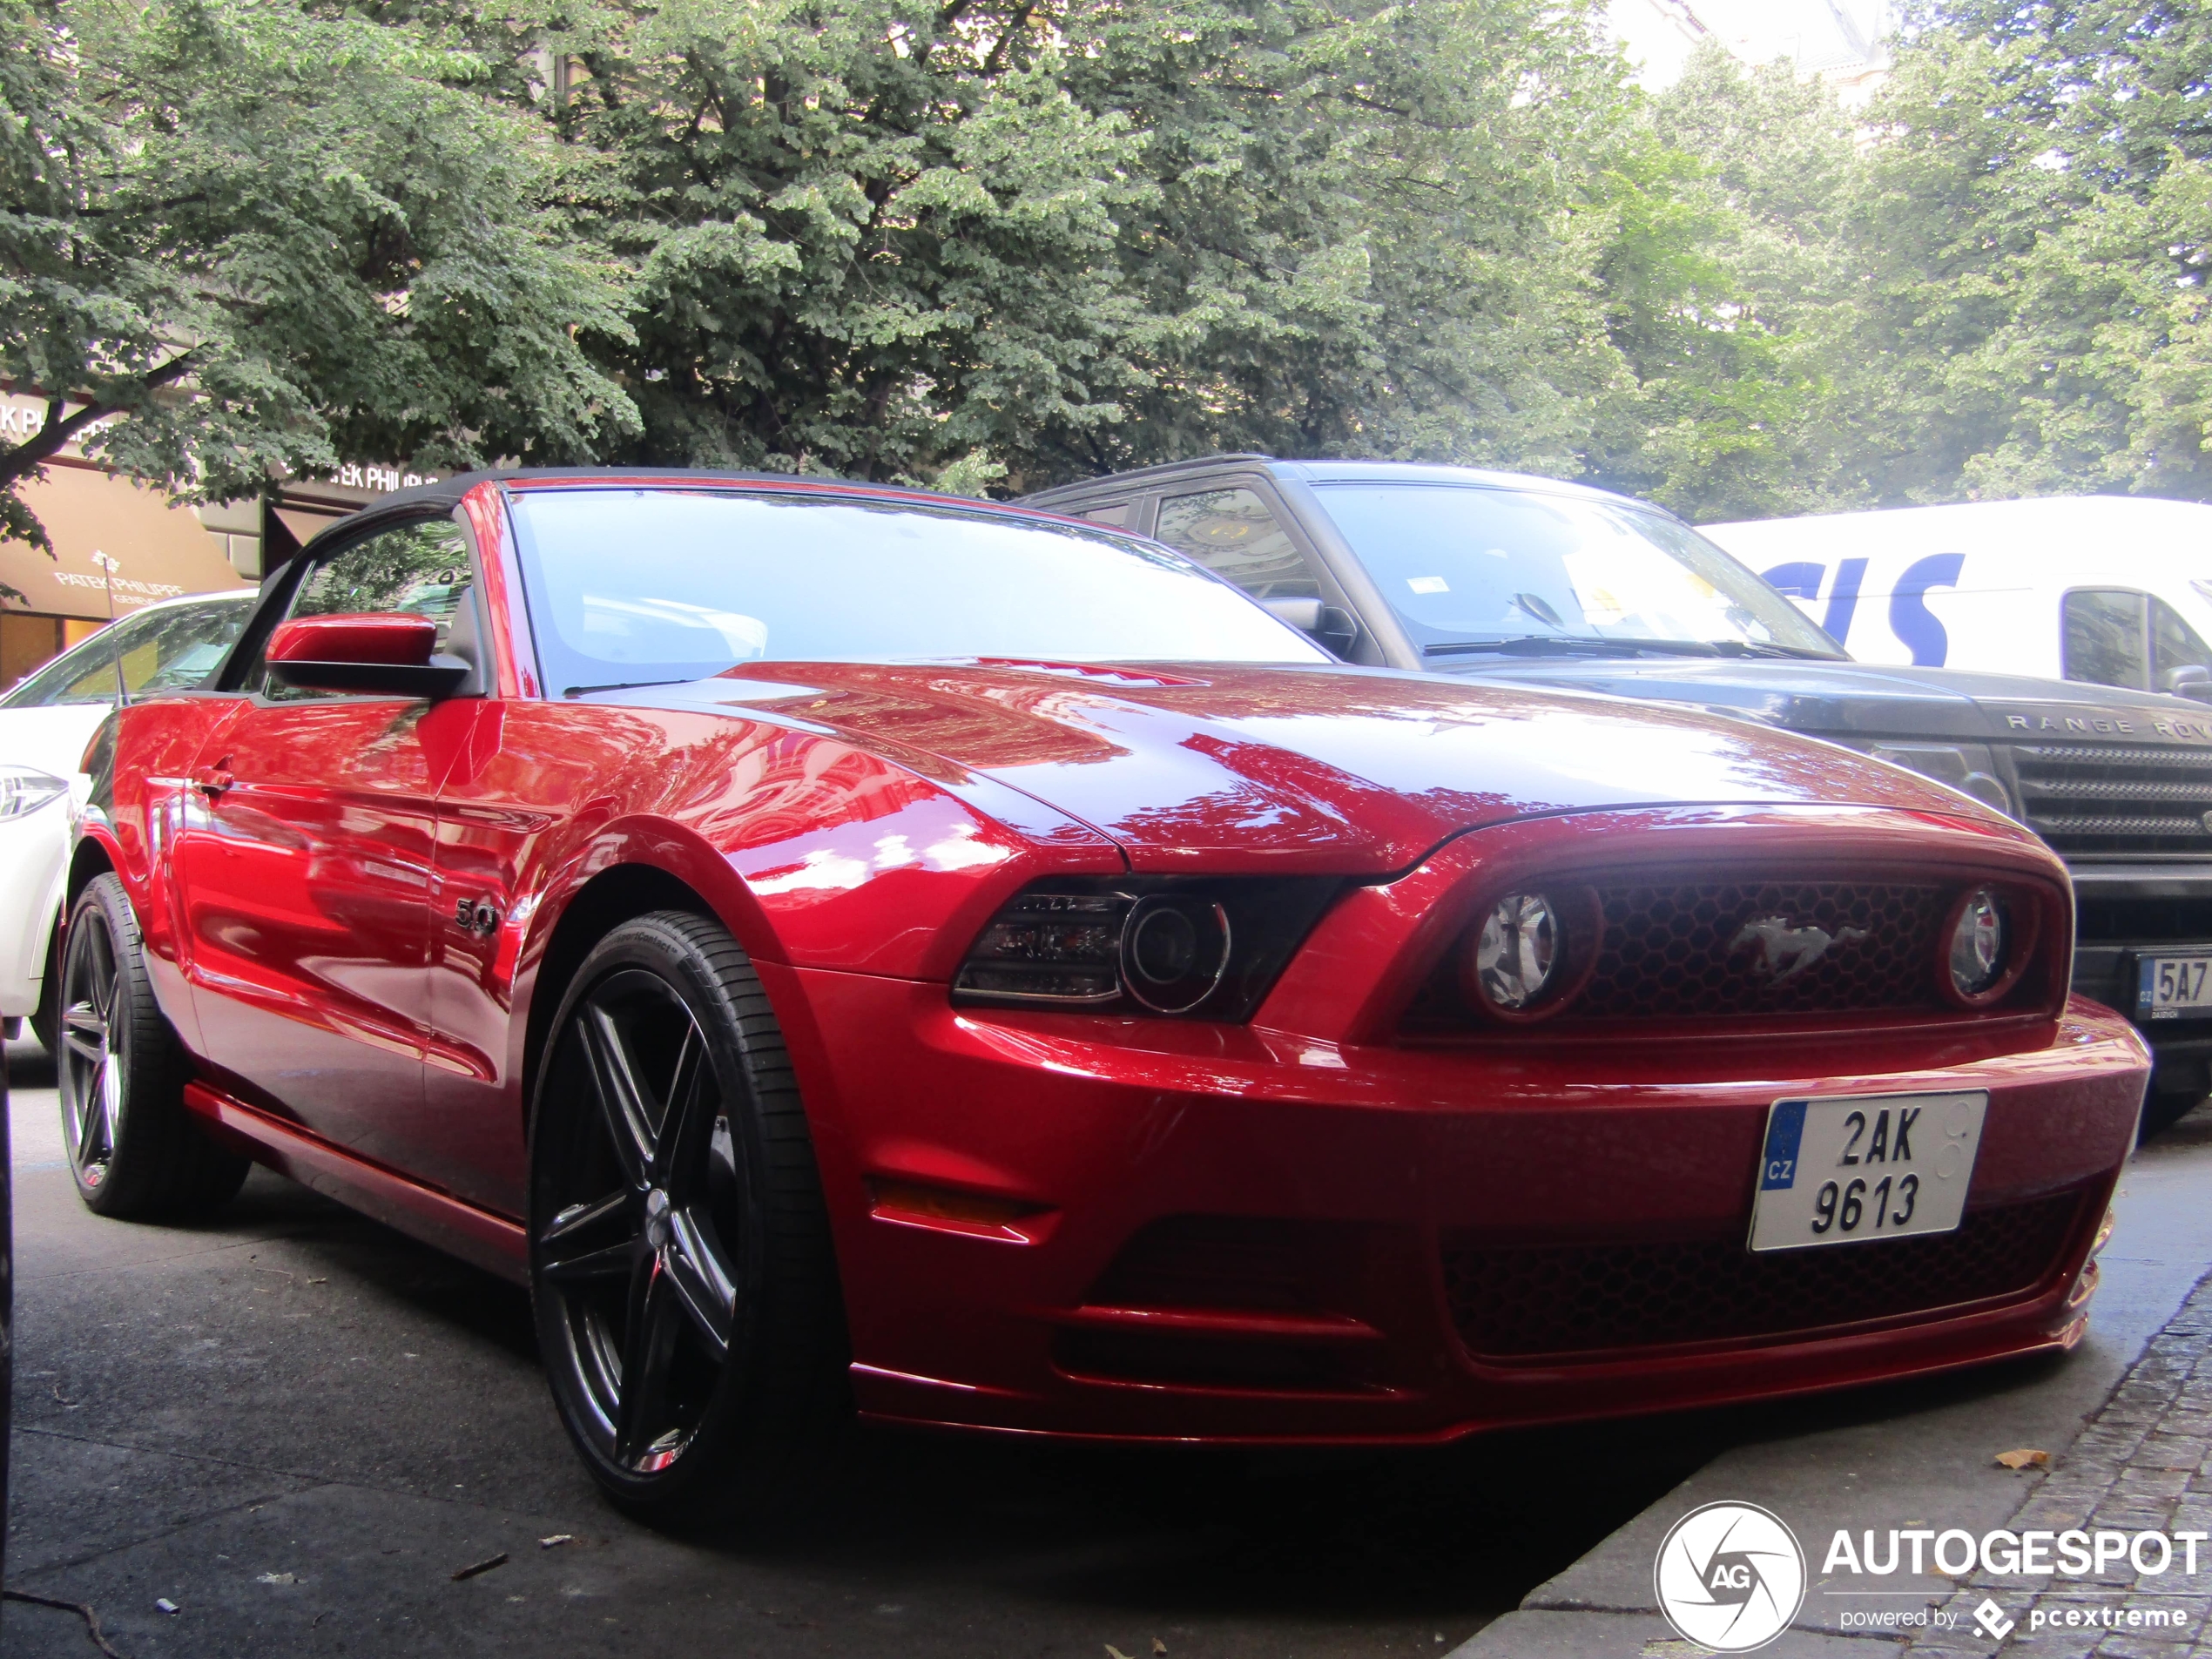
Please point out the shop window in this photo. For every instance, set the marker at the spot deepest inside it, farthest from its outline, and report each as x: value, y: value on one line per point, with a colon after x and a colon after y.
x: 86, y: 674
x: 2103, y: 637
x: 168, y: 650
x: 1233, y: 534
x: 26, y: 644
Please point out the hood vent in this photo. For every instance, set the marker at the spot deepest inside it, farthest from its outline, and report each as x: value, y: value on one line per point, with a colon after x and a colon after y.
x: 2087, y: 798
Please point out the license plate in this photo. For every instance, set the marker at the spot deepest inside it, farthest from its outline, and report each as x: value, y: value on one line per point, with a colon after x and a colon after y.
x: 1849, y: 1170
x: 2168, y: 987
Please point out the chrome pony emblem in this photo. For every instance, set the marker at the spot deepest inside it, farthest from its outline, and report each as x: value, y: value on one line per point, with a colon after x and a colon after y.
x: 1786, y: 952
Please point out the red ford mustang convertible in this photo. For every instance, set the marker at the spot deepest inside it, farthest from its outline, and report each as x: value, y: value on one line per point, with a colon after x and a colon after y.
x: 840, y: 944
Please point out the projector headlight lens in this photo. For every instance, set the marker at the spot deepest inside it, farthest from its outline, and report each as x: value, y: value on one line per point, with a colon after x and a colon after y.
x: 1978, y: 942
x: 1518, y: 951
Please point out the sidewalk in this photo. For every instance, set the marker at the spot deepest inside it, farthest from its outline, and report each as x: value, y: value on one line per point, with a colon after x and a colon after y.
x: 2143, y: 1464
x: 2112, y: 1415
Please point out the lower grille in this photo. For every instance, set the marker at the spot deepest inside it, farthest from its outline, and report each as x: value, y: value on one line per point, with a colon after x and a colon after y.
x: 2083, y: 798
x: 1514, y: 1301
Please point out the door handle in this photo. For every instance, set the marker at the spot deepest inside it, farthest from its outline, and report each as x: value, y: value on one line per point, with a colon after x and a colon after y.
x: 213, y: 784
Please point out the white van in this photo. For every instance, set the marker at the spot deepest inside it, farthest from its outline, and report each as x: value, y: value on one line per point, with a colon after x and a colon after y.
x: 2114, y: 590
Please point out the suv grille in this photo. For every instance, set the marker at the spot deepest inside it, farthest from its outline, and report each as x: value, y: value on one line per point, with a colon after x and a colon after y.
x: 1516, y: 1301
x: 2086, y: 799
x: 1673, y: 951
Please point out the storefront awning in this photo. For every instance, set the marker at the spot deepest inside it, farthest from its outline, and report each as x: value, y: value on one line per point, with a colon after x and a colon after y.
x: 158, y: 550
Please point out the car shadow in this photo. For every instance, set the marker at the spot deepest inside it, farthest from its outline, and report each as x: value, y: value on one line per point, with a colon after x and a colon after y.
x: 1366, y: 1535
x: 1445, y: 1532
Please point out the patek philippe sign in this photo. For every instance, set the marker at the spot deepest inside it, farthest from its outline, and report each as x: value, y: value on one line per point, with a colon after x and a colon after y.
x: 384, y: 480
x: 23, y: 417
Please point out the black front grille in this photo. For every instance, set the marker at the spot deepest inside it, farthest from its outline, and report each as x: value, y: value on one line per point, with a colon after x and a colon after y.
x: 2084, y: 798
x: 1515, y: 1301
x: 2142, y: 921
x: 1718, y: 948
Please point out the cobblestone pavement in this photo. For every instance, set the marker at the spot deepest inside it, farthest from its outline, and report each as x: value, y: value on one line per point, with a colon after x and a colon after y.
x: 2143, y: 1464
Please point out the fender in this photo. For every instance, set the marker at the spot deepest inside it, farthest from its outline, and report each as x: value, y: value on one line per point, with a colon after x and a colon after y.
x: 898, y: 893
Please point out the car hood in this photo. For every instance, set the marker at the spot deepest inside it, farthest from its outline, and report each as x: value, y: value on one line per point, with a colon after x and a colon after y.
x: 52, y: 739
x: 1347, y: 769
x: 1854, y: 701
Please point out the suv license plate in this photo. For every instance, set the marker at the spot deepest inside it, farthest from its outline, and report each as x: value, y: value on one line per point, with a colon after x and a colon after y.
x: 2169, y: 987
x: 1848, y: 1169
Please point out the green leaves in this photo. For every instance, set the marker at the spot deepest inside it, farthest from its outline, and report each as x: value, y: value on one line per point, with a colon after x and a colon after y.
x: 276, y: 239
x: 995, y: 244
x: 1024, y: 242
x: 2007, y: 271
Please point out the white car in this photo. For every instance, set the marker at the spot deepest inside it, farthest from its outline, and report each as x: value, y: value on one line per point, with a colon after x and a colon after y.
x: 2109, y: 589
x: 45, y: 724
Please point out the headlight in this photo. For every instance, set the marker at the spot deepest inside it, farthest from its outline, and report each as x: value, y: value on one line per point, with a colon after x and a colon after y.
x: 1970, y: 770
x: 1050, y: 948
x: 1142, y: 945
x: 1174, y: 952
x: 23, y: 791
x: 1516, y: 951
x: 1978, y: 945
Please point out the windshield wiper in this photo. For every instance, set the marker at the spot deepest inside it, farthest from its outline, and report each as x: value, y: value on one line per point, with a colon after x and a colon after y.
x: 1597, y: 646
x: 1767, y: 648
x: 625, y: 685
x: 1572, y: 646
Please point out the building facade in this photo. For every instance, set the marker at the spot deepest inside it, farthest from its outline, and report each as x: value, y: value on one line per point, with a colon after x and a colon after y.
x: 119, y: 545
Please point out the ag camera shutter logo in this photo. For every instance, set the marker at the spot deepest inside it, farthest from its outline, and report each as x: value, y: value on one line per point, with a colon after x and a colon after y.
x: 1729, y: 1577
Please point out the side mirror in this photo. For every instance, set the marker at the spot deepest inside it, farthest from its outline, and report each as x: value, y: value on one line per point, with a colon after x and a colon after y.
x: 1332, y: 627
x: 389, y: 654
x: 2190, y: 680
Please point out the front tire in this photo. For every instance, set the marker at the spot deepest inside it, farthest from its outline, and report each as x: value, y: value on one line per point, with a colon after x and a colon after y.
x: 134, y: 1149
x: 2162, y: 1108
x: 680, y: 1265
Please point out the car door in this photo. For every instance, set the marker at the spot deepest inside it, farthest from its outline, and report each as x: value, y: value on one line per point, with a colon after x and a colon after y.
x: 1230, y: 530
x: 303, y: 864
x: 1237, y: 530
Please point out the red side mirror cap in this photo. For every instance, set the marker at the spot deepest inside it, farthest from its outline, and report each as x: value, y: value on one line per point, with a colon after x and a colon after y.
x: 396, y: 639
x: 385, y: 653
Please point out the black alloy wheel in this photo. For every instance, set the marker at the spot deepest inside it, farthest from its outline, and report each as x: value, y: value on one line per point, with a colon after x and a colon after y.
x: 134, y: 1149
x: 680, y: 1265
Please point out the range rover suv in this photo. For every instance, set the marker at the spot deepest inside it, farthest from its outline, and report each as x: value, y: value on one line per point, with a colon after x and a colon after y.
x: 1506, y: 577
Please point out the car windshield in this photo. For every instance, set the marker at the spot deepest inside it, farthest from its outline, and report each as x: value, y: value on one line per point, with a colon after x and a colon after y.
x: 638, y: 586
x: 1469, y: 567
x: 172, y: 648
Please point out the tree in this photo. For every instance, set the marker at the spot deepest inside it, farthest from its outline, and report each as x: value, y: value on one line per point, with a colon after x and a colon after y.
x: 242, y: 239
x: 1727, y: 293
x: 968, y: 240
x: 2030, y: 233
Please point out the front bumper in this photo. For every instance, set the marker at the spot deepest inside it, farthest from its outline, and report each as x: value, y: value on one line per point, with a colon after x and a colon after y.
x: 1232, y: 1235
x: 2128, y: 910
x: 34, y: 859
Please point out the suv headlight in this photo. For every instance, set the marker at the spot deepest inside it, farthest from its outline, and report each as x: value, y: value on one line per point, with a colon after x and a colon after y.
x: 1970, y: 770
x: 23, y: 790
